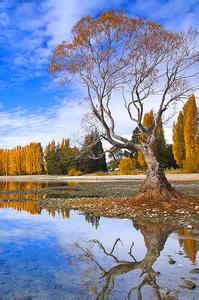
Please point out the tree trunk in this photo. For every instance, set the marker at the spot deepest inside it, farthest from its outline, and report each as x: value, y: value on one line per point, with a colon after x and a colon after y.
x: 156, y: 184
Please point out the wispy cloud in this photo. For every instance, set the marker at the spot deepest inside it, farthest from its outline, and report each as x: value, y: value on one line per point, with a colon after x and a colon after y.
x: 174, y: 15
x: 21, y: 126
x: 63, y: 119
x: 32, y: 29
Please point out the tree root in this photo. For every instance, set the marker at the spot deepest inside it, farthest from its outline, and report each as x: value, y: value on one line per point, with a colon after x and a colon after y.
x: 158, y: 188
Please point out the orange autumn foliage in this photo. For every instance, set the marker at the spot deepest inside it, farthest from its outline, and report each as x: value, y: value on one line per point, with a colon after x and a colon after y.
x: 148, y: 121
x: 185, y: 140
x: 120, y: 36
x: 189, y: 243
x: 21, y: 160
x: 127, y: 166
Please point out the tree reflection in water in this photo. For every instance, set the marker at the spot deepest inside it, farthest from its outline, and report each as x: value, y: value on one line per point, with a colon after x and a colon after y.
x: 94, y: 220
x: 21, y: 185
x: 34, y: 208
x: 188, y: 241
x: 155, y: 236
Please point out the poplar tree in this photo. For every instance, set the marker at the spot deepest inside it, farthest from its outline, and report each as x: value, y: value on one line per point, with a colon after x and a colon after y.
x: 38, y: 158
x: 52, y: 162
x: 68, y: 156
x: 190, y: 135
x: 178, y: 146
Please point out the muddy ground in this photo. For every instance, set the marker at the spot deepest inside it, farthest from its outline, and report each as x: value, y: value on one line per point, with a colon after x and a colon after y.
x: 113, y: 189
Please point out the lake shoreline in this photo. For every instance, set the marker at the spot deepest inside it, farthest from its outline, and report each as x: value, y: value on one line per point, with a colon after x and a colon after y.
x: 185, y: 213
x: 109, y: 199
x: 93, y: 178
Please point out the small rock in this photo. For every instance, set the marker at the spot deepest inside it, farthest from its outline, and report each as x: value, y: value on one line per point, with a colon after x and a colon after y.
x: 194, y: 271
x: 188, y: 284
x: 171, y: 261
x: 196, y: 207
x: 157, y: 273
x: 164, y: 291
x: 190, y: 227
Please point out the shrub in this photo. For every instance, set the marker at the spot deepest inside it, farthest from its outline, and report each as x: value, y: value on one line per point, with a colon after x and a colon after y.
x: 127, y: 166
x: 173, y: 171
x: 74, y: 172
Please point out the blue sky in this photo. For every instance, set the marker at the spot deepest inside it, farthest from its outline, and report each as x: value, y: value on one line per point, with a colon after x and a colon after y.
x: 32, y: 106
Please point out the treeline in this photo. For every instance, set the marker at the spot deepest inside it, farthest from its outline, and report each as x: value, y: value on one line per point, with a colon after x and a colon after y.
x: 60, y: 158
x: 22, y: 160
x: 66, y: 159
x: 63, y: 158
x: 185, y: 140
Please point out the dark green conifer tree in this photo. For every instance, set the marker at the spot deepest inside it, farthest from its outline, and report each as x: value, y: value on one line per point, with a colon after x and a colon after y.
x: 92, y: 154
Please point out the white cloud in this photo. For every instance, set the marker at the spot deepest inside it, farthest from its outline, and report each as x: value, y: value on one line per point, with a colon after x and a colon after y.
x: 21, y: 126
x: 174, y: 15
x: 34, y: 29
x: 62, y: 15
x: 63, y: 119
x: 168, y: 135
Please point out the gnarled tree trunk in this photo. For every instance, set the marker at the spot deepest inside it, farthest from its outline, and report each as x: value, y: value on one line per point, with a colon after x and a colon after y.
x: 156, y: 184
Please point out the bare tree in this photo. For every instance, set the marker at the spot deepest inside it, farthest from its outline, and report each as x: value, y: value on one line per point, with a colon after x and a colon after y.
x: 144, y: 63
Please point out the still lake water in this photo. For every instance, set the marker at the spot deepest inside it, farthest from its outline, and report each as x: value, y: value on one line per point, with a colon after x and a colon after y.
x: 69, y: 255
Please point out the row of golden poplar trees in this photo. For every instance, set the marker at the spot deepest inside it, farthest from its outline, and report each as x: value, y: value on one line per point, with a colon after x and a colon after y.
x: 22, y: 160
x: 29, y: 159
